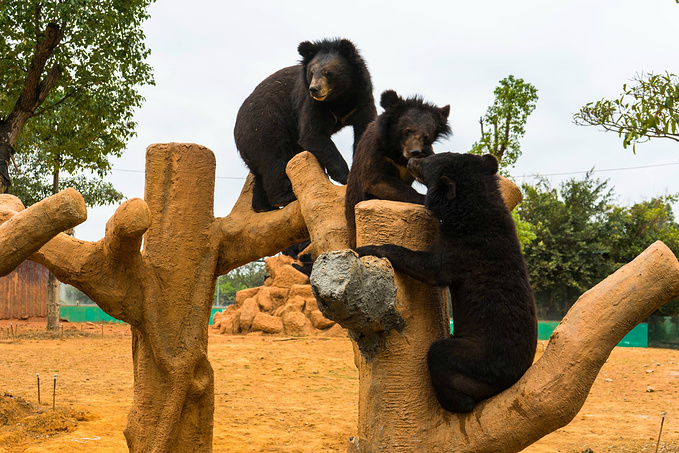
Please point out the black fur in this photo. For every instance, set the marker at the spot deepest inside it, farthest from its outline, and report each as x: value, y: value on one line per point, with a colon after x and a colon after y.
x: 282, y: 118
x: 407, y: 128
x: 478, y: 256
x: 306, y: 263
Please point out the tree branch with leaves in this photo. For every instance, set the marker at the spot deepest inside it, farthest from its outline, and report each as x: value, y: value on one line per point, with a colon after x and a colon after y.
x: 70, y: 72
x: 648, y: 108
x: 503, y: 125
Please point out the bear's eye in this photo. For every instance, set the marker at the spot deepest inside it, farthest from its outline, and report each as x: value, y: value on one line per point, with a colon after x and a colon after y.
x: 329, y: 74
x: 425, y: 137
x: 408, y: 131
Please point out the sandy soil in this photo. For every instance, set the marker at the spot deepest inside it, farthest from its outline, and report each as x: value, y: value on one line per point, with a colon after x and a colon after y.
x: 283, y: 395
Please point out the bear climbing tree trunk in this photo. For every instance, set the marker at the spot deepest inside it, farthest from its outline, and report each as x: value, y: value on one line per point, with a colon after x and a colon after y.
x: 165, y: 291
x: 398, y: 411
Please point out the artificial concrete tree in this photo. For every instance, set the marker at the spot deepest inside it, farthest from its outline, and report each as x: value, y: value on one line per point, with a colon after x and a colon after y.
x: 394, y: 319
x: 165, y: 289
x: 23, y: 231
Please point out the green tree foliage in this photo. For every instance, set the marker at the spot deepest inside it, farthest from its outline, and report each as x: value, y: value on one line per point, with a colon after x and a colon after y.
x: 567, y: 256
x: 524, y: 230
x: 504, y: 123
x: 631, y: 229
x: 70, y: 72
x: 582, y: 237
x: 34, y: 182
x: 250, y: 275
x: 648, y: 108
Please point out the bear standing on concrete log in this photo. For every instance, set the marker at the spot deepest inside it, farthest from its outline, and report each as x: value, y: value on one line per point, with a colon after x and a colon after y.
x: 478, y: 256
x: 299, y: 108
x: 407, y: 128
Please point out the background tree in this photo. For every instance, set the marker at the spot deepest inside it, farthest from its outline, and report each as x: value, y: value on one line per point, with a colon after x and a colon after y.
x: 581, y: 236
x: 69, y: 72
x: 524, y: 230
x: 629, y: 228
x: 503, y: 125
x: 568, y: 255
x: 250, y: 275
x: 501, y: 129
x: 36, y: 177
x: 648, y: 108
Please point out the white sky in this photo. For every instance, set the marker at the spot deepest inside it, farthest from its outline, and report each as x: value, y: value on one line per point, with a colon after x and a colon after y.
x: 209, y: 55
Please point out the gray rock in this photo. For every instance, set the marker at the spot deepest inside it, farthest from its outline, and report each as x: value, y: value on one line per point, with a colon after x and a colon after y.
x: 357, y: 293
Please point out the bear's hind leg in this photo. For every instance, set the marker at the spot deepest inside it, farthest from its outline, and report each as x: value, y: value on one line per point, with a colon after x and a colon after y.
x: 456, y: 390
x: 260, y: 202
x: 278, y: 190
x: 450, y: 399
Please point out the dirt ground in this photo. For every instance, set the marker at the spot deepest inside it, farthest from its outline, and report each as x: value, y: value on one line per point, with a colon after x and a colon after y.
x: 275, y: 394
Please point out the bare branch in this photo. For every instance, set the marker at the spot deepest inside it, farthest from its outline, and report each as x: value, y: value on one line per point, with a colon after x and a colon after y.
x: 36, y: 23
x: 106, y: 270
x: 125, y: 230
x: 48, y: 83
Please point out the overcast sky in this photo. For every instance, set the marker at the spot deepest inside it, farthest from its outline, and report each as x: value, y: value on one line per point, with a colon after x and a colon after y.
x: 208, y: 56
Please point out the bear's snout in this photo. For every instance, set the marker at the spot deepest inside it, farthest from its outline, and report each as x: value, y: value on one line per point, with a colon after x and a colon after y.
x: 319, y: 89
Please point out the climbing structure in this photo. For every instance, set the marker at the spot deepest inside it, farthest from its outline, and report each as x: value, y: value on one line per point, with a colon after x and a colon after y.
x: 164, y: 290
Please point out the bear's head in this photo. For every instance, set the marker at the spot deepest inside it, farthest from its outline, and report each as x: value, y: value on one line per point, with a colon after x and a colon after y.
x: 412, y: 124
x: 330, y: 67
x: 455, y: 179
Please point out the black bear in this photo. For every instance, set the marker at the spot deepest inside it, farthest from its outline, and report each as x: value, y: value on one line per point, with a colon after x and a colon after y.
x: 407, y: 128
x: 304, y: 262
x: 299, y: 108
x: 478, y: 256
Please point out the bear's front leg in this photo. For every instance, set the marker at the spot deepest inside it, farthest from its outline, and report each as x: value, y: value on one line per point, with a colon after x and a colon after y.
x: 394, y: 189
x: 330, y: 158
x: 424, y: 266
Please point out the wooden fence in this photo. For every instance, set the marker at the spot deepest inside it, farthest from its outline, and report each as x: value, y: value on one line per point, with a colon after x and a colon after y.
x: 23, y: 293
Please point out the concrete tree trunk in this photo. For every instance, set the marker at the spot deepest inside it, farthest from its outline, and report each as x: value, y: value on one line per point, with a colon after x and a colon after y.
x: 165, y: 291
x: 398, y: 411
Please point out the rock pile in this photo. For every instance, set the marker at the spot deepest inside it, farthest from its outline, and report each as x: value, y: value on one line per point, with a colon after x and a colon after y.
x: 285, y: 305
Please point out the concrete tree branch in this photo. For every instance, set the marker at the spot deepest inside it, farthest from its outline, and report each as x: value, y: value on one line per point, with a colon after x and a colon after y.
x: 25, y: 231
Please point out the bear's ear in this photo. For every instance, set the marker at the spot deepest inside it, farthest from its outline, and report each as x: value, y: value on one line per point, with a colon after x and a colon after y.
x: 449, y: 186
x: 306, y: 49
x: 444, y: 112
x: 490, y: 164
x: 347, y: 48
x: 389, y: 99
